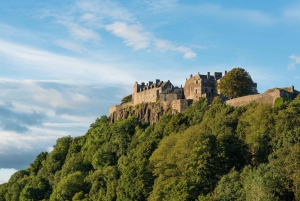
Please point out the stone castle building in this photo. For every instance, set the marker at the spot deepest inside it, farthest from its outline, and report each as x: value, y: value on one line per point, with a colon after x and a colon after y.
x: 177, y: 98
x: 153, y: 99
x: 152, y: 92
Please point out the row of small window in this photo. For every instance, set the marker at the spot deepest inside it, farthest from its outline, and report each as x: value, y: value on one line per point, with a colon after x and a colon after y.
x: 205, y: 91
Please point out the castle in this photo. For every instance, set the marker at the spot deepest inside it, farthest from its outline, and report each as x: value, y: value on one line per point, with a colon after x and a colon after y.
x: 177, y: 98
x: 151, y: 100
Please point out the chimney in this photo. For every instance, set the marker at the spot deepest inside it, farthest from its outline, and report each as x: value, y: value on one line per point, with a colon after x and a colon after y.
x: 157, y: 81
x: 191, y: 75
x: 225, y: 72
x: 208, y: 75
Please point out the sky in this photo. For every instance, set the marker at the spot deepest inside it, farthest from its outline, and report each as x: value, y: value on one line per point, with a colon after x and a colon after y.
x: 64, y: 63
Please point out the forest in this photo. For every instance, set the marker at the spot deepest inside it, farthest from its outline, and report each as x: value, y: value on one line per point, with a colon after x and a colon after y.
x: 209, y: 152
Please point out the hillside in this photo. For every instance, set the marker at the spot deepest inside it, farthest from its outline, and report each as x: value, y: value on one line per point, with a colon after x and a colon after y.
x: 208, y: 152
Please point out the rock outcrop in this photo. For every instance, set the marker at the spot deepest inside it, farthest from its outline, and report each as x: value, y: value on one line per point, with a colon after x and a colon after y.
x: 145, y: 112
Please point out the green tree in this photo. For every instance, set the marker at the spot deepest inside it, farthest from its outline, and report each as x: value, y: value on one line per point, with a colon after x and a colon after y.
x: 37, y: 188
x: 127, y: 99
x: 229, y: 187
x: 261, y: 183
x: 236, y: 83
x: 256, y: 129
x: 68, y: 187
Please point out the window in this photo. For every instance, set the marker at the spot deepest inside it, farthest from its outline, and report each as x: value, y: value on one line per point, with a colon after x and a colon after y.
x: 196, y: 91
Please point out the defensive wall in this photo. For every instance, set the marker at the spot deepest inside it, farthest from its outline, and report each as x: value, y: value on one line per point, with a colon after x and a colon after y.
x: 114, y: 108
x: 268, y: 97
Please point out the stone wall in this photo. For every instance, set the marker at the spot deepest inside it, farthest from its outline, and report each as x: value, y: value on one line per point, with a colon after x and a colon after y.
x: 119, y: 107
x: 150, y: 95
x: 268, y: 97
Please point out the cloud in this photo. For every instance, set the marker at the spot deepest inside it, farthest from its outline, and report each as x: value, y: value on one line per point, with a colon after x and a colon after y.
x: 292, y: 13
x: 246, y: 15
x: 162, y: 5
x: 136, y: 37
x: 294, y: 63
x: 81, y: 33
x: 12, y: 120
x: 105, y: 10
x: 48, y: 65
x: 5, y: 174
x: 164, y: 45
x: 70, y: 46
x: 133, y: 35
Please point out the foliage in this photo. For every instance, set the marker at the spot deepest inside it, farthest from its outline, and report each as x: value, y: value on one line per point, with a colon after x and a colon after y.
x: 236, y: 83
x: 209, y: 152
x: 127, y: 99
x: 278, y: 102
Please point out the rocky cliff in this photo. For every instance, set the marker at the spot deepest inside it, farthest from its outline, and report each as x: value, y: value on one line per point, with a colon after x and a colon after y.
x: 145, y: 112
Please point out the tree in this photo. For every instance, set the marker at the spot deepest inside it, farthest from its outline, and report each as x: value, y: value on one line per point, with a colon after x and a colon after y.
x: 127, y: 99
x: 236, y: 83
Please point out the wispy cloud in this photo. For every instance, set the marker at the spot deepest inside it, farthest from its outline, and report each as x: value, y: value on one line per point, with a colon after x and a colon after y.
x: 69, y: 45
x: 81, y: 33
x: 50, y: 65
x: 246, y: 15
x: 294, y: 63
x: 105, y: 10
x: 133, y: 35
x: 292, y: 13
x: 162, y: 5
x: 164, y: 45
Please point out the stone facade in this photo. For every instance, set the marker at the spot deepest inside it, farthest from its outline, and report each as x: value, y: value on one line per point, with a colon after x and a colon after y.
x: 150, y: 92
x: 202, y: 86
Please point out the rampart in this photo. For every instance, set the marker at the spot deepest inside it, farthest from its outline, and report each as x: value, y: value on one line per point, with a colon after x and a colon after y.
x: 268, y: 97
x: 114, y: 108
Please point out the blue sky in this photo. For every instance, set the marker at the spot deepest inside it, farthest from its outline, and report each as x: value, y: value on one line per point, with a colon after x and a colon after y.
x: 63, y: 63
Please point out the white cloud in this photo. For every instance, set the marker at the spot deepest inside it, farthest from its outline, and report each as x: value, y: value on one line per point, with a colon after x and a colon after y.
x: 75, y: 47
x: 294, y: 63
x: 81, y: 33
x: 133, y: 35
x: 5, y: 174
x: 106, y: 10
x: 53, y: 66
x: 164, y: 45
